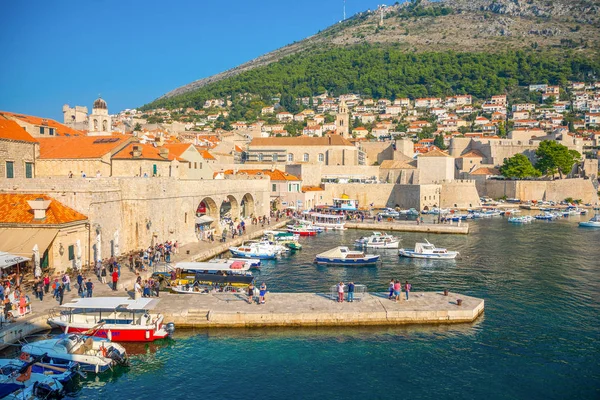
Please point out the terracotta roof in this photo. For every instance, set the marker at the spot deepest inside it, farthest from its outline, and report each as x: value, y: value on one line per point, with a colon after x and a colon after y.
x: 275, y: 175
x: 312, y: 189
x: 10, y: 130
x: 333, y: 140
x: 485, y: 171
x: 434, y: 153
x: 149, y: 152
x: 177, y: 149
x: 60, y: 129
x: 206, y: 155
x: 14, y: 209
x: 78, y: 147
x: 473, y: 153
x: 238, y: 149
x: 397, y: 164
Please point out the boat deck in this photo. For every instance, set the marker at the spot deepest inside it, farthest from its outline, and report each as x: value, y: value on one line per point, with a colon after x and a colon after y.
x: 317, y: 309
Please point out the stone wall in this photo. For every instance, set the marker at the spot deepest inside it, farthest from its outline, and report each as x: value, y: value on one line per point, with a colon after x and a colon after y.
x: 143, y: 210
x: 460, y: 193
x: 556, y: 190
x: 19, y: 153
x: 62, y: 167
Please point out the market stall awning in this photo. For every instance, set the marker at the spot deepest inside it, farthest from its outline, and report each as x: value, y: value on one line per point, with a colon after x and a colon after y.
x: 205, y: 219
x: 20, y: 241
x: 7, y: 259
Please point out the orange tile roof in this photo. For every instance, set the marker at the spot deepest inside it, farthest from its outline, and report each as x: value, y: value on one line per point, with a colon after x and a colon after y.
x: 312, y: 189
x: 275, y: 175
x: 10, y: 130
x: 436, y: 152
x: 333, y: 140
x: 60, y: 129
x: 485, y: 171
x: 473, y: 153
x: 149, y: 152
x: 238, y: 149
x: 77, y: 147
x: 206, y: 155
x: 177, y: 149
x: 14, y: 209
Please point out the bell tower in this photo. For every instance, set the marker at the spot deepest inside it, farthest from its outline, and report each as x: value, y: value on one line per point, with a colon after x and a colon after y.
x: 342, y: 120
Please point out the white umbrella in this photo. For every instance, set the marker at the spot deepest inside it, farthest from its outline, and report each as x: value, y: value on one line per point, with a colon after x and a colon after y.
x: 116, y: 244
x: 37, y: 272
x: 98, y: 246
x: 7, y: 259
x: 78, y: 254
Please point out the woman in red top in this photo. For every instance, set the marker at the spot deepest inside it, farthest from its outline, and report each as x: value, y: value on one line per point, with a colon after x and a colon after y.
x: 115, y: 278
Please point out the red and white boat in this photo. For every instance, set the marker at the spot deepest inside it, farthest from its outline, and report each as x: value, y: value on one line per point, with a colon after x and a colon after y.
x: 120, y: 319
x: 303, y: 230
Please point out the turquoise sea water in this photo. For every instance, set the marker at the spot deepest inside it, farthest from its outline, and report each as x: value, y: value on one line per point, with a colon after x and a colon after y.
x: 538, y: 339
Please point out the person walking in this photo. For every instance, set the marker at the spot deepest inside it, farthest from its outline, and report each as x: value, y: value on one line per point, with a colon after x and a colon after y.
x: 55, y: 285
x: 351, y: 292
x: 262, y: 293
x: 340, y: 289
x: 46, y: 283
x: 407, y: 288
x: 80, y: 284
x: 89, y: 287
x: 115, y: 279
x: 137, y: 288
x: 67, y: 281
x: 61, y: 294
x: 103, y: 274
x: 157, y: 287
x: 39, y: 287
x: 391, y: 289
x: 397, y: 290
x: 250, y: 293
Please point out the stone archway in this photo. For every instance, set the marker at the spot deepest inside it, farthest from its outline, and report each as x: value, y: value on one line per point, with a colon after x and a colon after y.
x: 229, y: 209
x: 247, y: 206
x: 207, y: 214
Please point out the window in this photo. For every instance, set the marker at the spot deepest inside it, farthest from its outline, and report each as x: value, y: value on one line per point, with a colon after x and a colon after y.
x: 260, y: 156
x: 10, y: 169
x: 71, y: 252
x: 321, y: 157
x: 28, y: 170
x: 51, y: 131
x: 190, y: 165
x: 306, y: 157
x: 154, y: 169
x: 274, y: 157
x: 274, y: 187
x: 290, y: 157
x: 41, y: 130
x: 195, y: 165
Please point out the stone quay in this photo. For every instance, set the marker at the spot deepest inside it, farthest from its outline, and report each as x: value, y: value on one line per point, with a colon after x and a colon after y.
x: 407, y: 226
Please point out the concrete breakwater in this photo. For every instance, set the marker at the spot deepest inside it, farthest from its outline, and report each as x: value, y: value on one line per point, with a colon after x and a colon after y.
x: 461, y: 229
x: 317, y: 309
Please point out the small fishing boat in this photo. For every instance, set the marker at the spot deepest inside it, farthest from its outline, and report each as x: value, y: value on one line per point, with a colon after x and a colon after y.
x: 287, y: 239
x: 120, y: 319
x: 592, y: 223
x: 389, y: 213
x: 548, y: 216
x: 428, y: 251
x: 410, y: 211
x: 207, y: 277
x: 93, y: 354
x: 343, y: 256
x: 303, y: 229
x: 261, y: 250
x: 521, y: 220
x: 10, y: 367
x: 253, y: 263
x: 378, y: 240
x: 44, y: 388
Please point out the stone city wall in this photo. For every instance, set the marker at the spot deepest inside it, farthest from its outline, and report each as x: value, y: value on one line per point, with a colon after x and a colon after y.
x: 460, y: 193
x: 144, y: 209
x: 556, y: 190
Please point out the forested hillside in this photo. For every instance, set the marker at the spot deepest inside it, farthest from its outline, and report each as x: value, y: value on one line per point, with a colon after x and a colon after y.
x: 388, y: 71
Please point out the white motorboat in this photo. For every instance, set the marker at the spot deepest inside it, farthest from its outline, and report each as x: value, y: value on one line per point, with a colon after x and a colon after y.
x: 343, y: 256
x: 262, y: 250
x: 120, y: 319
x: 93, y: 354
x: 389, y: 213
x: 251, y: 262
x: 521, y: 220
x: 592, y: 223
x: 378, y: 240
x: 428, y: 251
x: 26, y: 378
x: 410, y: 211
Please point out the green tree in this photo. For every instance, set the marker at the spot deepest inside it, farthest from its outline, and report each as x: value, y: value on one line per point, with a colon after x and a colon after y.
x: 439, y: 142
x: 550, y: 100
x: 518, y: 167
x: 137, y: 127
x: 502, y: 130
x: 554, y: 158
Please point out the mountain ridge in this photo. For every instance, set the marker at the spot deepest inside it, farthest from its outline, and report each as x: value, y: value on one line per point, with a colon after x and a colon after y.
x: 458, y: 25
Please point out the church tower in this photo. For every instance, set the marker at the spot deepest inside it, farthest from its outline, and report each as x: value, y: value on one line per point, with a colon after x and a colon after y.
x: 342, y: 120
x: 100, y: 123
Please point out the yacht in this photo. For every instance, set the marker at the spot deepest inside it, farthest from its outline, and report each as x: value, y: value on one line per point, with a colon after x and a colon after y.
x: 428, y: 251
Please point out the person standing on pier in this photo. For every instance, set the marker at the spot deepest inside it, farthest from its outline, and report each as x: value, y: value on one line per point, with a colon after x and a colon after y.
x: 340, y: 289
x: 89, y: 287
x: 262, y: 293
x: 397, y: 290
x: 351, y: 292
x: 391, y: 289
x: 103, y: 274
x: 407, y: 288
x: 39, y: 287
x: 250, y: 293
x: 61, y: 294
x: 115, y: 279
x: 46, y: 283
x: 80, y: 284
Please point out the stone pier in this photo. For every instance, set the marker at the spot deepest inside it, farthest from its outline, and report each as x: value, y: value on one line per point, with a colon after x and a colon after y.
x: 407, y: 226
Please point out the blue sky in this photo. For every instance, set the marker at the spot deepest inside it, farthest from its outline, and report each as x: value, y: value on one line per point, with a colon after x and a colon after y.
x: 133, y: 51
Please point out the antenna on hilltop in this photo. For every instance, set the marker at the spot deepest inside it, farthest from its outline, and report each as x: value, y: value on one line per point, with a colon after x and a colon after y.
x: 344, y: 10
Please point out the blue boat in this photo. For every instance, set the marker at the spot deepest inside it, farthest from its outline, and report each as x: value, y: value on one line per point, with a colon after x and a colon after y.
x: 345, y: 257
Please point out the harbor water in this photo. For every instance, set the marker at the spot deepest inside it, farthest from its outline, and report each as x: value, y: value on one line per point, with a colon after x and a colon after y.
x: 538, y: 339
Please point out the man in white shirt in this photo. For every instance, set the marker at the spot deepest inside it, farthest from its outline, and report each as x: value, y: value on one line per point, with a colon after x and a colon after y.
x: 137, y: 290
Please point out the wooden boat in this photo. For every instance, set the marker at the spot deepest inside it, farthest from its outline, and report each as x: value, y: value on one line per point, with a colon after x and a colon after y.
x: 428, y: 251
x: 119, y: 319
x: 93, y: 354
x: 343, y: 256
